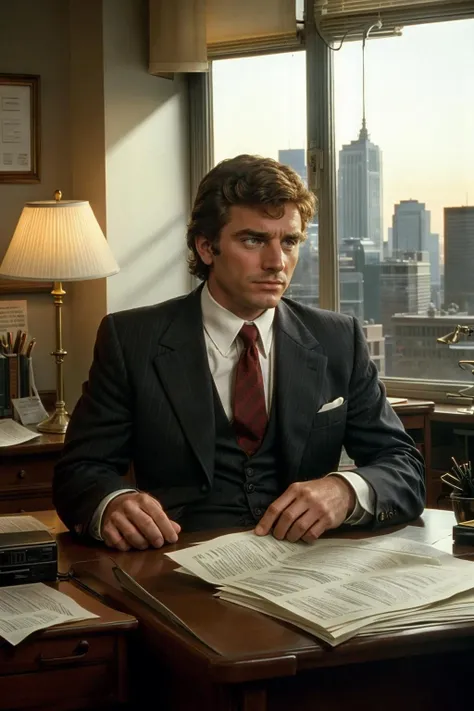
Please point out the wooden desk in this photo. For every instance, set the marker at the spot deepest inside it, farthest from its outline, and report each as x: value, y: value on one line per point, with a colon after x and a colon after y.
x: 265, y: 665
x: 26, y: 474
x: 82, y: 665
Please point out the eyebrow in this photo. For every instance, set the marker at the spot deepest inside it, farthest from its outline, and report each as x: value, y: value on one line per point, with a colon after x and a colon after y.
x: 267, y: 235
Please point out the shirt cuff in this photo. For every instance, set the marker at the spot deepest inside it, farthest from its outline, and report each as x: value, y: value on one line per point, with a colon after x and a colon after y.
x: 365, y: 498
x: 96, y: 522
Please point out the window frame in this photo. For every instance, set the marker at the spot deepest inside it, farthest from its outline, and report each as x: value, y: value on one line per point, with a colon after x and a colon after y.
x: 322, y: 177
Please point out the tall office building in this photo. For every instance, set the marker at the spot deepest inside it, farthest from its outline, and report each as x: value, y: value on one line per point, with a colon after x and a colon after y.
x: 410, y: 226
x: 405, y: 286
x: 351, y: 278
x: 433, y: 250
x: 459, y: 257
x: 360, y: 194
x: 296, y: 159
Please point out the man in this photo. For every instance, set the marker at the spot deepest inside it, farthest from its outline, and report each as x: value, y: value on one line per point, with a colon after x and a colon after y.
x: 231, y: 403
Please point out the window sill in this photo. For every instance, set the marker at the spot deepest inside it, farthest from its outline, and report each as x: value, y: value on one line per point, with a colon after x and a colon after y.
x: 436, y: 390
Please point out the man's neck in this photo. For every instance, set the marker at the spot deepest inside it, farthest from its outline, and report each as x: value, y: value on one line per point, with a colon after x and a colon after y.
x: 245, y: 315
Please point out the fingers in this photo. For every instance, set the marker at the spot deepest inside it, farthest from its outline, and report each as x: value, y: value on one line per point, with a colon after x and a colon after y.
x: 137, y: 520
x: 314, y: 532
x: 113, y: 538
x: 153, y: 509
x: 303, y: 512
x: 290, y: 521
x: 274, y: 511
x: 128, y: 532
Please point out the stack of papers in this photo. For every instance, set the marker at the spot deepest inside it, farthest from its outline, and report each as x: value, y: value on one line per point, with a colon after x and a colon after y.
x: 336, y: 588
x: 28, y: 608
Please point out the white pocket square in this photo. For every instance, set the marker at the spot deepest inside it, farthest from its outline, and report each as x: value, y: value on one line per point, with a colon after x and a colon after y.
x: 331, y: 405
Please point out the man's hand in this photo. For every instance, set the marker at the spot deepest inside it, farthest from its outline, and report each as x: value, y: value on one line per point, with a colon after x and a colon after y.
x: 308, y: 508
x: 137, y: 520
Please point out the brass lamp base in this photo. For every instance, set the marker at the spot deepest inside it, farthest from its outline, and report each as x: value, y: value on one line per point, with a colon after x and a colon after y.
x: 56, y: 424
x: 59, y: 420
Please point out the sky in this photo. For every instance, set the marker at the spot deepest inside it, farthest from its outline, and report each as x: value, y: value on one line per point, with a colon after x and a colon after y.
x: 420, y: 110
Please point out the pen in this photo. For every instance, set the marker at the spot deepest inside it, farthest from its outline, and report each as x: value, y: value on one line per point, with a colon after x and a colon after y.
x: 31, y: 345
x: 21, y: 345
x: 16, y: 345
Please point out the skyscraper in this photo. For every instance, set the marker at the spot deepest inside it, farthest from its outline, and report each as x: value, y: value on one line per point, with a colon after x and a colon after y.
x: 405, y: 286
x: 459, y: 257
x: 410, y: 226
x: 296, y: 159
x: 360, y: 194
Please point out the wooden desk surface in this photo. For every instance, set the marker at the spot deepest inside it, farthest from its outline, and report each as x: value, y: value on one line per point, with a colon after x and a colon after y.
x: 260, y: 664
x: 235, y: 635
x: 42, y: 444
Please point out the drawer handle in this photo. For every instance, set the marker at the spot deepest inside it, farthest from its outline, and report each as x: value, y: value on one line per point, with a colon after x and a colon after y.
x: 22, y: 474
x: 79, y: 653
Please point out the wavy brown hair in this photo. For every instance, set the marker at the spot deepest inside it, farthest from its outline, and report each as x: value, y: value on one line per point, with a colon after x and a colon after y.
x: 249, y: 181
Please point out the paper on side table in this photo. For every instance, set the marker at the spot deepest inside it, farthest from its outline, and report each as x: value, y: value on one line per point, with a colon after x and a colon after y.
x: 25, y: 609
x: 12, y: 433
x: 20, y: 523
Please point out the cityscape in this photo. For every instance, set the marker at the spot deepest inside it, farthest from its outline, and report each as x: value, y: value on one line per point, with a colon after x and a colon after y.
x: 401, y: 290
x: 404, y: 185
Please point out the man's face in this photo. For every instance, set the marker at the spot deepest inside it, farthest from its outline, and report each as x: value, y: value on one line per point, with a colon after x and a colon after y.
x: 256, y: 260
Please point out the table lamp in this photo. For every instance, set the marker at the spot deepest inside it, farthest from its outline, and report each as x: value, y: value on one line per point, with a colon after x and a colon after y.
x: 452, y: 340
x: 57, y: 241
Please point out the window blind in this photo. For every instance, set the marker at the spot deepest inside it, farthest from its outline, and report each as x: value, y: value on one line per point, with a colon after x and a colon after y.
x: 337, y: 19
x: 239, y: 27
x: 185, y: 34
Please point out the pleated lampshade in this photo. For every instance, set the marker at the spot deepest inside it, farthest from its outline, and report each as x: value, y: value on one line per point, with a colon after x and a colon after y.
x: 58, y: 240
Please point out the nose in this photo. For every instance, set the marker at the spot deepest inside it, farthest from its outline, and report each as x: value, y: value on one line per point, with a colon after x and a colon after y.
x: 273, y: 257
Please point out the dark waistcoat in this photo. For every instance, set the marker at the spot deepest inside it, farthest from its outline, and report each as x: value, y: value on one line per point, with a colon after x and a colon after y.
x: 243, y: 487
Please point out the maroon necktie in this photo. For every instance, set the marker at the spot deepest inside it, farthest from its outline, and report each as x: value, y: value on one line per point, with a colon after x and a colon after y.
x: 249, y: 410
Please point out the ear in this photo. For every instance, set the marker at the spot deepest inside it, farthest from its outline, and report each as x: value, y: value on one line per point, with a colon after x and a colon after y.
x: 204, y: 249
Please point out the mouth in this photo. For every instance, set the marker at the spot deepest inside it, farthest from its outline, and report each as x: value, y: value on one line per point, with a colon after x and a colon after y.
x: 270, y: 283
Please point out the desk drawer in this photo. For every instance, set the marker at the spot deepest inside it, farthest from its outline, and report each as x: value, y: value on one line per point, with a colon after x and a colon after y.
x: 25, y: 471
x: 73, y: 689
x: 46, y: 654
x: 18, y: 501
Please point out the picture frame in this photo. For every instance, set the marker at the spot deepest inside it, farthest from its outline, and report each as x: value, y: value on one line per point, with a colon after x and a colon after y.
x: 16, y: 286
x: 19, y: 128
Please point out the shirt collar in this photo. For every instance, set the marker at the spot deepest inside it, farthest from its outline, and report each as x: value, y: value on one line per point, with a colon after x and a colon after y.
x: 222, y: 326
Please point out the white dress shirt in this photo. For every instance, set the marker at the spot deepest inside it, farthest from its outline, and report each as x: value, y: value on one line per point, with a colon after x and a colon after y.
x: 221, y: 328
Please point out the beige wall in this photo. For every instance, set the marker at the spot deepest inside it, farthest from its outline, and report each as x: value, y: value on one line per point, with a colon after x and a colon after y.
x: 111, y: 134
x: 146, y: 166
x: 34, y: 39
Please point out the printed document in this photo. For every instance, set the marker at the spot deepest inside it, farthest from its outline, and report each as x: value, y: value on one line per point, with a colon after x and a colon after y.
x: 20, y: 524
x: 335, y: 588
x: 27, y: 608
x: 12, y: 433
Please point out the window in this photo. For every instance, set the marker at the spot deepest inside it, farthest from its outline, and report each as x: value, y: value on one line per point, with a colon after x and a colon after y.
x: 405, y: 185
x: 259, y: 106
x: 406, y: 191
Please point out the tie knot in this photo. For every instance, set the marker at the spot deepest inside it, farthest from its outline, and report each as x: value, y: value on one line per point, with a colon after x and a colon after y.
x: 249, y: 335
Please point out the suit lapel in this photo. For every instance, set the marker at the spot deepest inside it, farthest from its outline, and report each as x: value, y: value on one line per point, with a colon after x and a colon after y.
x: 300, y: 375
x: 182, y: 366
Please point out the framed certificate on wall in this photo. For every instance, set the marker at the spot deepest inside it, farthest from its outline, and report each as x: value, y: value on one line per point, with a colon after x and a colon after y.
x: 19, y: 128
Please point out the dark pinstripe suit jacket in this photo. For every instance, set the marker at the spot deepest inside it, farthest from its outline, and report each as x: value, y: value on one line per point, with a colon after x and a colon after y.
x: 149, y: 401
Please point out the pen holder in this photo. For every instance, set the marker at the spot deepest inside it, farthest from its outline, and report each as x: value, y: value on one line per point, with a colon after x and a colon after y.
x: 463, y: 507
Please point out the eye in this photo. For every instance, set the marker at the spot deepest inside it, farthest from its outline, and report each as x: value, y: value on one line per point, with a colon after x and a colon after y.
x: 252, y: 241
x: 290, y: 242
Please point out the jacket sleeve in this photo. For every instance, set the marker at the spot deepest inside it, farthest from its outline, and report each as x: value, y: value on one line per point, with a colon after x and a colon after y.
x: 97, y: 449
x: 384, y: 454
